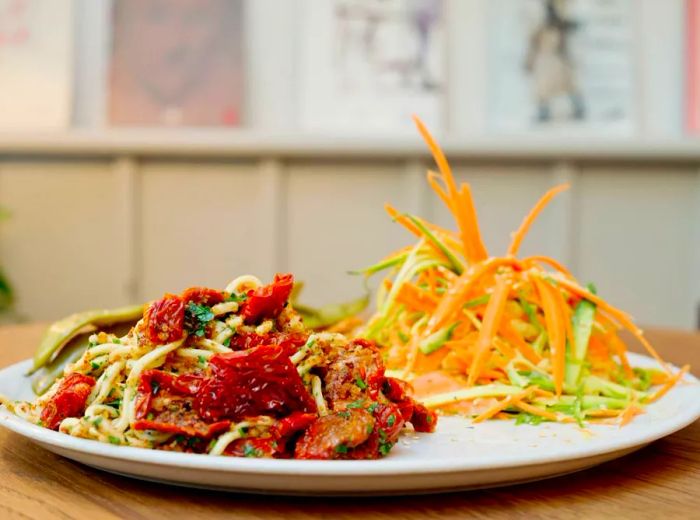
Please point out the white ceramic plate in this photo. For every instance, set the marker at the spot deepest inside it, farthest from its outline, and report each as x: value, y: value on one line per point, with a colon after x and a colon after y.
x: 458, y: 455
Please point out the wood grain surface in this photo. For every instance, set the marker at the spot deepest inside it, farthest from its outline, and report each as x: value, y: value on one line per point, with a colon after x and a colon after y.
x: 660, y: 481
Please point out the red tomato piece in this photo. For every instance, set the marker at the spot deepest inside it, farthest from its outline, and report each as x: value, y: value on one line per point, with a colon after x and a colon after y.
x: 68, y: 401
x: 289, y: 342
x: 269, y: 300
x: 265, y: 447
x: 187, y: 424
x: 259, y: 381
x: 165, y: 320
x: 296, y: 422
x: 423, y: 420
x: 183, y: 385
x: 202, y: 296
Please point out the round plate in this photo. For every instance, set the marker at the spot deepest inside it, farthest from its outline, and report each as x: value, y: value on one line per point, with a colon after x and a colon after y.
x: 459, y: 455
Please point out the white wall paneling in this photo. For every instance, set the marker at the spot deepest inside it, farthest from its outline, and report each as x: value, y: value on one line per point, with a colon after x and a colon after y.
x: 63, y: 246
x: 636, y: 239
x: 101, y: 232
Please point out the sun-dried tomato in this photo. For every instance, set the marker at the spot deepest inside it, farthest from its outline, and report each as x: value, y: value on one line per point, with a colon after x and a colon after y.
x: 165, y: 319
x: 259, y: 381
x: 267, y: 301
x: 153, y: 381
x: 68, y: 401
x: 184, y: 423
x: 202, y: 296
x: 423, y: 420
x: 290, y: 343
x: 265, y: 447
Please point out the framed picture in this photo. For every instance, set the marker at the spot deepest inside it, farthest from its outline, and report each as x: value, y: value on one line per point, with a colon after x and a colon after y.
x: 693, y: 66
x: 36, y: 64
x: 368, y: 65
x: 176, y: 63
x: 558, y: 65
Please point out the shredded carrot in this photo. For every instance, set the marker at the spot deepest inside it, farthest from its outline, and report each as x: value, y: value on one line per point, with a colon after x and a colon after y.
x: 548, y: 261
x: 530, y: 218
x: 502, y: 405
x: 492, y: 318
x: 534, y: 410
x: 669, y: 384
x: 556, y: 330
x: 620, y: 316
x: 501, y: 321
x: 512, y: 335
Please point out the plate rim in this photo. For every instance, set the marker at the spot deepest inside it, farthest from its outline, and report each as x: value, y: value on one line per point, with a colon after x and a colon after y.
x: 339, y: 468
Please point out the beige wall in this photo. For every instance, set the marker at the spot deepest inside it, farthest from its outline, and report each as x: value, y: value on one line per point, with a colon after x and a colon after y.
x: 103, y: 232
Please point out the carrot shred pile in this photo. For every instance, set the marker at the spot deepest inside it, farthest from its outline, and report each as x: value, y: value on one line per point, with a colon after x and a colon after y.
x: 522, y: 333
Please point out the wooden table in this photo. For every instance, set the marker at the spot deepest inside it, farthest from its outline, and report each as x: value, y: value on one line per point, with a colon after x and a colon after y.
x: 661, y: 480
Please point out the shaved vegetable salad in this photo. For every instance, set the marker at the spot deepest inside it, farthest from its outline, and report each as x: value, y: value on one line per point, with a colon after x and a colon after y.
x: 502, y: 336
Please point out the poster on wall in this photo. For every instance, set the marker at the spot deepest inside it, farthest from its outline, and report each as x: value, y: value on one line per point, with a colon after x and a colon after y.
x: 693, y: 66
x: 561, y: 65
x: 176, y: 63
x: 368, y: 65
x: 36, y: 64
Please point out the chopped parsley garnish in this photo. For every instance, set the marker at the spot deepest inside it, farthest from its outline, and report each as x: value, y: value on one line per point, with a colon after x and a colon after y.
x: 115, y: 404
x: 341, y: 448
x: 95, y: 365
x: 250, y: 451
x: 344, y: 414
x: 371, y: 408
x: 114, y: 440
x: 429, y: 419
x: 238, y: 298
x: 391, y: 420
x: 370, y: 428
x: 179, y: 438
x: 360, y: 383
x: 227, y: 342
x: 150, y: 416
x: 117, y: 341
x: 97, y: 421
x: 385, y: 448
x: 243, y: 430
x: 197, y: 317
x: 360, y: 403
x: 202, y: 360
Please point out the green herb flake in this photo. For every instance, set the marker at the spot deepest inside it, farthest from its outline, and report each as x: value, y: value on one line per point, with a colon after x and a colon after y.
x: 385, y: 448
x: 238, y: 298
x: 344, y: 414
x: 117, y: 341
x: 391, y: 420
x: 360, y: 403
x: 114, y: 440
x: 360, y: 383
x: 97, y: 421
x: 94, y: 365
x: 371, y: 408
x: 201, y: 360
x: 250, y: 451
x: 341, y: 448
x: 227, y: 342
x: 115, y: 404
x: 196, y: 318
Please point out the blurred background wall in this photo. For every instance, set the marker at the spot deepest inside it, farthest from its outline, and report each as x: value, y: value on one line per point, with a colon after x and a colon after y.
x: 104, y: 212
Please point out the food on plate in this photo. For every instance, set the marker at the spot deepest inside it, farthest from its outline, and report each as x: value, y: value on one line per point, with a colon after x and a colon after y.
x: 502, y: 336
x: 232, y: 372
